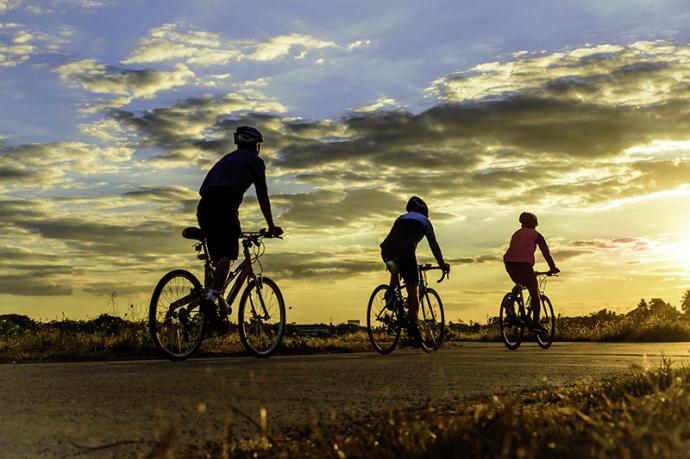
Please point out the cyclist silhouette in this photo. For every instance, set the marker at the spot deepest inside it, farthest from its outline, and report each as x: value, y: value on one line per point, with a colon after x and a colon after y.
x: 519, y: 262
x: 400, y: 246
x: 221, y: 193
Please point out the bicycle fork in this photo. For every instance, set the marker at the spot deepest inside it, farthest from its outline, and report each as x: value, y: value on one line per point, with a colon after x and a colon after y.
x: 258, y: 281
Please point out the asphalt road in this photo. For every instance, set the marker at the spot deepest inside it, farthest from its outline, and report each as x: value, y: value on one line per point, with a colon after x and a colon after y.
x: 52, y: 410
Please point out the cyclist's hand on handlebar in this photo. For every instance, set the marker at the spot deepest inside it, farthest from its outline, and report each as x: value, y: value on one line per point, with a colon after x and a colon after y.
x: 275, y: 231
x: 554, y: 271
x: 446, y: 268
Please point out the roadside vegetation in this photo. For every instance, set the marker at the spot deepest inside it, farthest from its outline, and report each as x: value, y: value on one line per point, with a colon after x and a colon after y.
x: 638, y: 415
x: 109, y: 337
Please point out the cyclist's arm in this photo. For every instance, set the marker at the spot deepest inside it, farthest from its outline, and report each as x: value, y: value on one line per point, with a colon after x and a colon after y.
x: 433, y: 244
x: 262, y: 195
x: 541, y: 242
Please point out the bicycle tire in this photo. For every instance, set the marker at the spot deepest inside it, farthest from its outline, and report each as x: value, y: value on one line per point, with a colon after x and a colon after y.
x: 251, y: 328
x: 508, y: 321
x: 387, y: 320
x: 548, y: 321
x: 192, y: 323
x: 431, y: 323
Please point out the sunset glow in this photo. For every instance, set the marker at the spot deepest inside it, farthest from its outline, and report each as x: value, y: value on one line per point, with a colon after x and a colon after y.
x: 113, y: 111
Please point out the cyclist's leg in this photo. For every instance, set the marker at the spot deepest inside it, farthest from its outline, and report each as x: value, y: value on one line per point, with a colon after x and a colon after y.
x: 523, y: 274
x: 218, y: 218
x: 410, y: 274
x: 533, y: 288
x: 412, y: 300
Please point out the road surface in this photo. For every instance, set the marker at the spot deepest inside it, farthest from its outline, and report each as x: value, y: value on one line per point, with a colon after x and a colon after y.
x: 47, y: 410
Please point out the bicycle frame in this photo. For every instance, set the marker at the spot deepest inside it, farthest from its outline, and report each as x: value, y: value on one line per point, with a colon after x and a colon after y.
x: 423, y: 286
x: 239, y: 275
x: 519, y: 297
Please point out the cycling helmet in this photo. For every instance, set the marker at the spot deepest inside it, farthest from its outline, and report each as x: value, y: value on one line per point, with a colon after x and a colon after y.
x: 248, y: 134
x: 416, y: 204
x: 529, y: 220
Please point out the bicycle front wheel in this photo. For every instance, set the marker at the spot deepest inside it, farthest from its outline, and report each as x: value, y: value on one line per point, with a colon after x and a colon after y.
x: 262, y: 317
x: 383, y: 324
x: 509, y: 323
x: 432, y: 326
x: 176, y: 322
x: 548, y: 321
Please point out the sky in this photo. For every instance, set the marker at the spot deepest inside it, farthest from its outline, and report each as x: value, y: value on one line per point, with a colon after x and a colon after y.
x: 112, y: 111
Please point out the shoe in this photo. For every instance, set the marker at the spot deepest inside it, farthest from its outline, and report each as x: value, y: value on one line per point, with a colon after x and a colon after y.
x: 538, y: 328
x: 218, y: 325
x: 414, y: 333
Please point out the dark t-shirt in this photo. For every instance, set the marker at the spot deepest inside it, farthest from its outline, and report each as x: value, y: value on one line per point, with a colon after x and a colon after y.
x: 234, y: 173
x: 406, y: 233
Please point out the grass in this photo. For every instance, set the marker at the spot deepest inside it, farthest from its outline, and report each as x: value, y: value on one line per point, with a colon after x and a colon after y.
x: 616, y: 328
x: 643, y: 414
x: 110, y: 337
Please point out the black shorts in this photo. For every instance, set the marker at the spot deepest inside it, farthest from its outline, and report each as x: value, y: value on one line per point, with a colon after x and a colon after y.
x: 407, y: 265
x: 219, y: 220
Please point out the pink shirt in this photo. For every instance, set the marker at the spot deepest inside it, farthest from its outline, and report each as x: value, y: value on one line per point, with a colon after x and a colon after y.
x: 523, y: 244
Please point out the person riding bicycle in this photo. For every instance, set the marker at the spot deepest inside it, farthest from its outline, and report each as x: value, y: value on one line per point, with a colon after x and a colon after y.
x: 400, y: 246
x: 519, y: 262
x: 221, y: 193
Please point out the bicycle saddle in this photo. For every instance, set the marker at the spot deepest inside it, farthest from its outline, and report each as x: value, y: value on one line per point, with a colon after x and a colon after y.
x: 193, y: 232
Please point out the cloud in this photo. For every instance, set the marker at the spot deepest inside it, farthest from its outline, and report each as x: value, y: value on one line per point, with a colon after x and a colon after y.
x: 341, y: 209
x: 197, y: 129
x: 6, y: 5
x: 200, y: 48
x: 640, y: 73
x: 99, y: 78
x: 320, y: 265
x: 35, y: 284
x: 57, y: 164
x: 280, y: 46
x: 55, y: 6
x: 19, y: 43
x: 536, y: 147
x: 358, y: 44
x: 378, y: 104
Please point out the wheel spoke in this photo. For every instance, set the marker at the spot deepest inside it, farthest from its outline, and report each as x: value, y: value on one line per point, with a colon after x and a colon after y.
x: 262, y: 330
x: 176, y: 321
x: 382, y: 323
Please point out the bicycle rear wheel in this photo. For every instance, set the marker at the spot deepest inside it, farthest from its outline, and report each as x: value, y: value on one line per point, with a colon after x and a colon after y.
x: 383, y: 324
x: 509, y: 322
x: 548, y: 321
x: 176, y: 321
x: 262, y: 317
x: 432, y: 326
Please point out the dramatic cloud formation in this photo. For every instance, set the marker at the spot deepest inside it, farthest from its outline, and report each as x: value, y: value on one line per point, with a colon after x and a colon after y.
x: 99, y: 174
x: 642, y: 73
x: 19, y: 43
x: 169, y: 42
x: 99, y: 78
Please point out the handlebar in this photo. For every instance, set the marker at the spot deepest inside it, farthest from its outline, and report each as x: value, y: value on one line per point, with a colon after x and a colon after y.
x: 262, y: 233
x: 545, y: 273
x: 429, y: 267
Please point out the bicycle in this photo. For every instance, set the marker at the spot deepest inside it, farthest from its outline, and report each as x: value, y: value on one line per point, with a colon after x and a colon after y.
x: 178, y: 322
x: 513, y: 323
x: 385, y: 320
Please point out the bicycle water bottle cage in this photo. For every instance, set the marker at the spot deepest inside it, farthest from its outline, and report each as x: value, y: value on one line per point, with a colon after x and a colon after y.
x: 392, y: 266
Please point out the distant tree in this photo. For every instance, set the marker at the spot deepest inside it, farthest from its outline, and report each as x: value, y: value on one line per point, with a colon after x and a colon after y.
x: 641, y: 311
x: 660, y: 308
x: 685, y: 303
